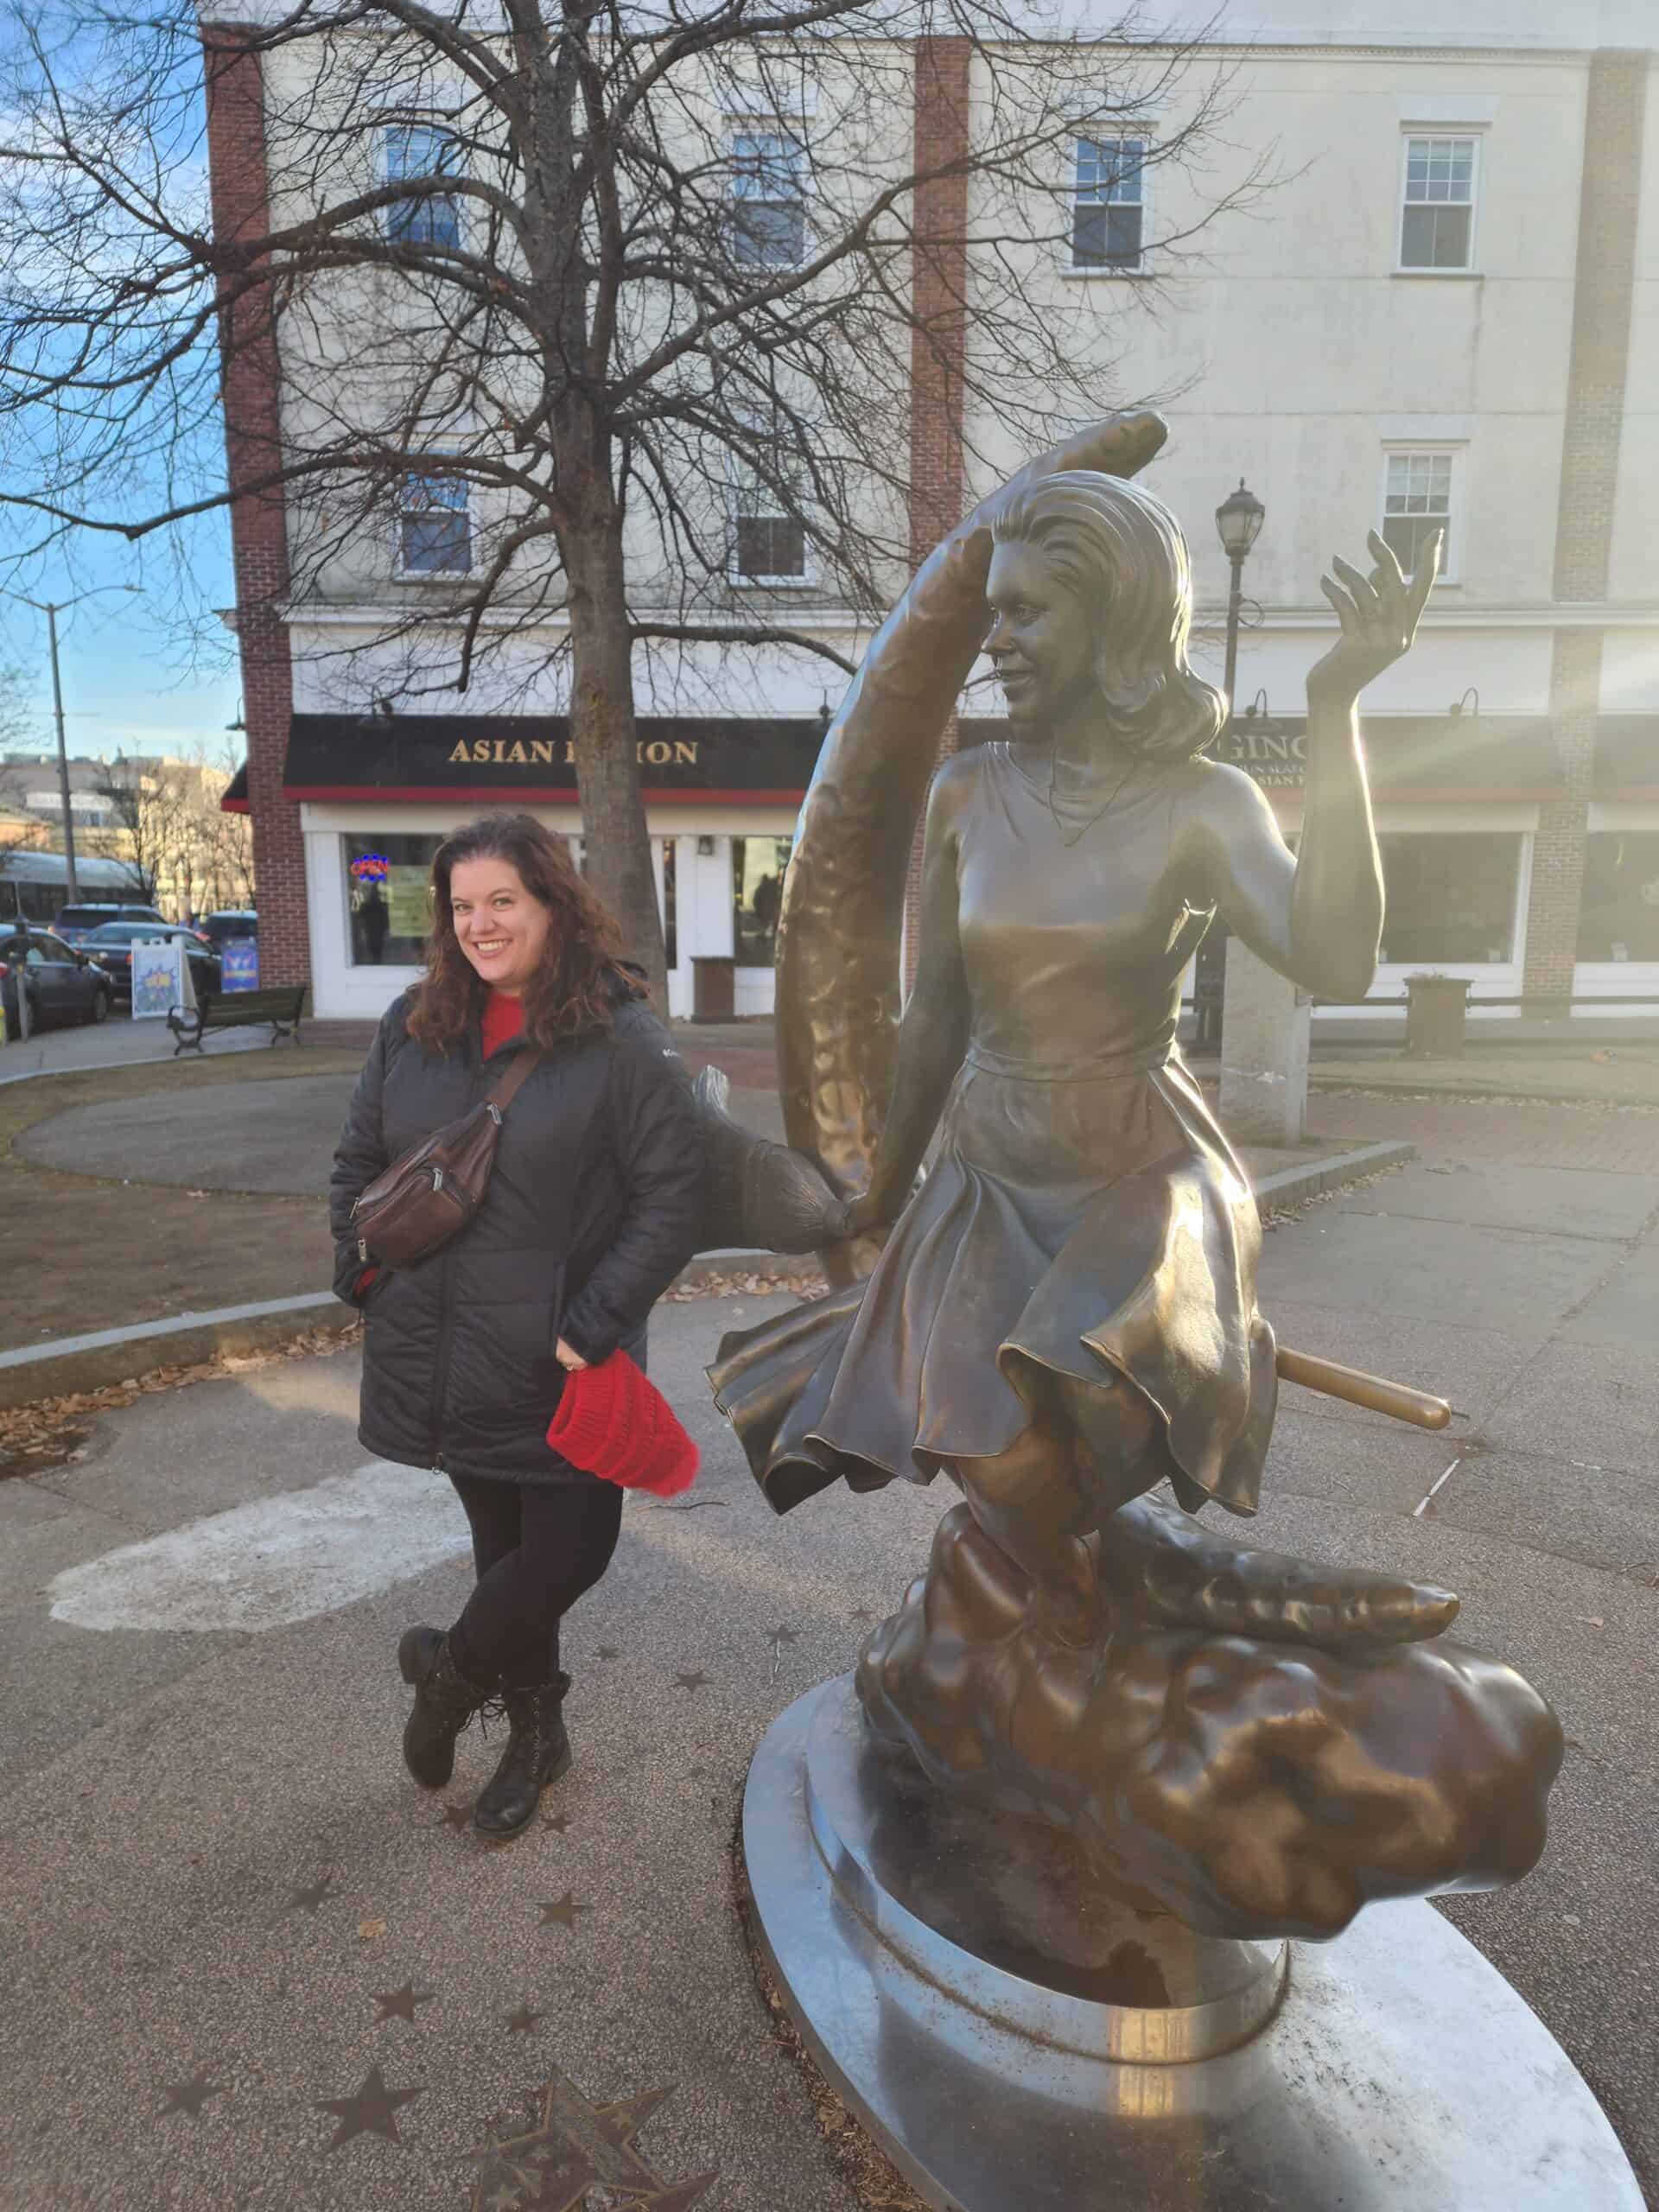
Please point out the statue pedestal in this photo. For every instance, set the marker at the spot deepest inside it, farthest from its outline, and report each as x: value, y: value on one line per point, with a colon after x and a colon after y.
x: 1018, y: 2041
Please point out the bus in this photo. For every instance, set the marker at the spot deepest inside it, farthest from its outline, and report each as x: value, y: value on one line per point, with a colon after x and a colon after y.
x: 33, y: 885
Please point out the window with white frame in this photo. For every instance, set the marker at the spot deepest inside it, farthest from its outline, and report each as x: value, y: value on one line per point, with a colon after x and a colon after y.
x: 419, y: 150
x: 1416, y: 502
x: 768, y: 536
x: 1436, y: 216
x: 434, y: 526
x: 1108, y: 203
x: 768, y: 197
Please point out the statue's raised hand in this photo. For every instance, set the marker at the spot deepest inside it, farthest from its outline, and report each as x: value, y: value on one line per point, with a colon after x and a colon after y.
x: 1379, y: 615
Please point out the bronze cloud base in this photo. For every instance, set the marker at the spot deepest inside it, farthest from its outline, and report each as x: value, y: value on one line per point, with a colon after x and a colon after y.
x: 1253, y: 1787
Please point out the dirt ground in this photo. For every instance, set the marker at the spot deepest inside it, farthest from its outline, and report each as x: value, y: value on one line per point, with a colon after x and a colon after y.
x: 156, y: 1251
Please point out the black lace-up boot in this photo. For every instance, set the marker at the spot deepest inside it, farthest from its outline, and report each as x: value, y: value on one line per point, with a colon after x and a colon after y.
x: 537, y: 1752
x: 444, y: 1702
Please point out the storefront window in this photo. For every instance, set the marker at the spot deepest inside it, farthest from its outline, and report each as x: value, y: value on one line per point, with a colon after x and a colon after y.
x: 385, y: 888
x: 1618, y: 918
x: 757, y: 865
x: 1450, y: 899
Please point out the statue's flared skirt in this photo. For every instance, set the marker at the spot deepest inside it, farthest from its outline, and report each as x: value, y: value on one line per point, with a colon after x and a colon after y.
x: 1096, y: 1227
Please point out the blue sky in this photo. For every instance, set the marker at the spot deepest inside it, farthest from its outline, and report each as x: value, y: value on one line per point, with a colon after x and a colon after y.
x: 134, y: 677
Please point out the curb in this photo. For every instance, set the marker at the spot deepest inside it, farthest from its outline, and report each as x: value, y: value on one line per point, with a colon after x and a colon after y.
x: 107, y: 1356
x: 1476, y: 1088
x: 1290, y: 1186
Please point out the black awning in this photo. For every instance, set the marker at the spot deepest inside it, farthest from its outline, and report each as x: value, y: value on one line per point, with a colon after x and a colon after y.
x: 1410, y: 756
x: 528, y: 759
x: 234, y: 800
x: 1627, y: 753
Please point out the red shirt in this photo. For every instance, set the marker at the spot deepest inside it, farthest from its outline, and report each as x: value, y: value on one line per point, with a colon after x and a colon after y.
x: 504, y: 1017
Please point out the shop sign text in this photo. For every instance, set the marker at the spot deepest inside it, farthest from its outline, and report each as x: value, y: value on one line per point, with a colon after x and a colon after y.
x: 1277, y: 758
x: 546, y: 752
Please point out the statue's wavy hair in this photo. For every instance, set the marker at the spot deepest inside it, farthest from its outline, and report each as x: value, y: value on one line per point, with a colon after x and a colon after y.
x: 576, y: 986
x: 1122, y: 552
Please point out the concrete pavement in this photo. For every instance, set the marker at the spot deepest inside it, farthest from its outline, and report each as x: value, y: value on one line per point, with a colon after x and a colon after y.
x: 216, y: 1873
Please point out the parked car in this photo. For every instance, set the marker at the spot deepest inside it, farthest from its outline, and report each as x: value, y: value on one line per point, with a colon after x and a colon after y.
x: 61, y: 983
x: 75, y: 924
x: 228, y: 922
x: 111, y: 947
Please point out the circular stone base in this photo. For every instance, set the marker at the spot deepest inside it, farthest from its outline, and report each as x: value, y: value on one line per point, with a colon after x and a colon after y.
x: 1016, y: 2042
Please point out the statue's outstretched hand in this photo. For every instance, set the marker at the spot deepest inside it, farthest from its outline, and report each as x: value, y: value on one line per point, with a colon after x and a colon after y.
x: 1379, y: 615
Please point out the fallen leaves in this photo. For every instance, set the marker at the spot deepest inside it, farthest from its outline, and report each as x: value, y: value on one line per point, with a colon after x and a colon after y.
x: 715, y: 1283
x: 53, y: 1432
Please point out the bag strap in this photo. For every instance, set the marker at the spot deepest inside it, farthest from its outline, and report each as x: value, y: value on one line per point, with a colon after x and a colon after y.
x: 502, y: 1094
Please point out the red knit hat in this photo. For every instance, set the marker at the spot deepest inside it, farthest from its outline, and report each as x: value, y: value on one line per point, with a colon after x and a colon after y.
x: 614, y: 1422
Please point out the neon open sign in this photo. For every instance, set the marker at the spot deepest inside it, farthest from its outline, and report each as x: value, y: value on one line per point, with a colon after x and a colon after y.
x: 372, y: 868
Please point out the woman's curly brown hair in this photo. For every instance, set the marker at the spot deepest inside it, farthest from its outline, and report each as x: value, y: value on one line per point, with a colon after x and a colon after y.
x: 577, y: 987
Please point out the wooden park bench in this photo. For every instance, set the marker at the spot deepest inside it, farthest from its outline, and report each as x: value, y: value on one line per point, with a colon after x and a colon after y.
x: 238, y: 1010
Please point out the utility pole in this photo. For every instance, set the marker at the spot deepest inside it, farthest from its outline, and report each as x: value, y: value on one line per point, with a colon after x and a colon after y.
x: 70, y: 885
x: 52, y: 608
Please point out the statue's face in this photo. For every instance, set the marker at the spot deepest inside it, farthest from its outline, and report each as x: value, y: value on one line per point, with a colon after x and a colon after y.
x: 1042, y: 643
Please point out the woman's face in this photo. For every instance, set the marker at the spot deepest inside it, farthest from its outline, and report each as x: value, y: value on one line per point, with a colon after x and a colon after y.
x: 1041, y: 645
x: 499, y: 925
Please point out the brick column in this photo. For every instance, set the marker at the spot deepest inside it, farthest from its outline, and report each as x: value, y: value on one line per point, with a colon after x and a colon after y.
x: 252, y: 390
x: 937, y: 337
x: 1609, y: 195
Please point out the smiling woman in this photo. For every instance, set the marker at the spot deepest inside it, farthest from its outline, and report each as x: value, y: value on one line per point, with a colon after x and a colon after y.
x: 593, y: 1206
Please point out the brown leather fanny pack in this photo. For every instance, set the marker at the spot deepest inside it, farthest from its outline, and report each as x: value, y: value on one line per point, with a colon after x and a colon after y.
x: 421, y: 1200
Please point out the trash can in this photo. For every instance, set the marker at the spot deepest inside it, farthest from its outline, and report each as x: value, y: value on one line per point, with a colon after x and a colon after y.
x: 1436, y: 1008
x: 714, y: 987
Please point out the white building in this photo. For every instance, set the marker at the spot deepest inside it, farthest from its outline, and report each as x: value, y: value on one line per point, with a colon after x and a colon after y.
x: 1446, y: 312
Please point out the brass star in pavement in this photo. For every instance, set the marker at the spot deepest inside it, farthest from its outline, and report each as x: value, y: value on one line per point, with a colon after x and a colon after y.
x: 694, y: 1681
x: 313, y: 1897
x: 563, y: 1914
x: 454, y: 1816
x: 777, y: 1636
x: 369, y: 2113
x: 189, y: 2096
x: 577, y: 2147
x: 521, y: 2022
x: 399, y: 2004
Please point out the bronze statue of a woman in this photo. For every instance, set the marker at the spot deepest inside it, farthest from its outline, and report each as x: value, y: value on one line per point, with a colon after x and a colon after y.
x: 1063, y: 1314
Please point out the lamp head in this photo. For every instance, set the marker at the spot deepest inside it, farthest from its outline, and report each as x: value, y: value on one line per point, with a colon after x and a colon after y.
x: 1238, y: 521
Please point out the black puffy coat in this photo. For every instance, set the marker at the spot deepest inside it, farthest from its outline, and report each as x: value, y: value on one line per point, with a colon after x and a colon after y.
x: 593, y: 1209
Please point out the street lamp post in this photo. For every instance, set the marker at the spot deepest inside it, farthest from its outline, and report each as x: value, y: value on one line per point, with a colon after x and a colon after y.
x: 1238, y: 520
x: 52, y: 608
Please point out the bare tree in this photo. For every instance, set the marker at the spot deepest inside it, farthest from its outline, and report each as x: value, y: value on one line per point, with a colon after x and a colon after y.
x: 166, y: 828
x: 597, y: 326
x: 221, y: 849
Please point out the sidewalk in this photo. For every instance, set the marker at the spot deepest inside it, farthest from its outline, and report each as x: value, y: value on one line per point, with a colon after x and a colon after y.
x: 249, y: 1964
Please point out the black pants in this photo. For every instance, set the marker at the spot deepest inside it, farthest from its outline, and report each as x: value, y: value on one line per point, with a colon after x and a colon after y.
x: 538, y: 1546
